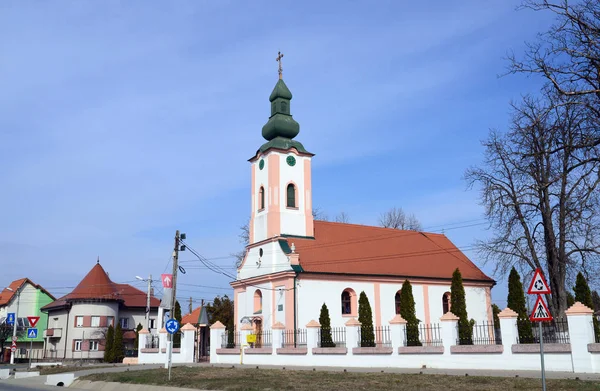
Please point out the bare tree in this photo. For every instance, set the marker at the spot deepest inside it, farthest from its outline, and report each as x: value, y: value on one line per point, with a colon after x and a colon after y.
x: 397, y: 219
x: 244, y: 236
x: 319, y: 214
x: 568, y: 54
x: 342, y: 217
x: 539, y: 185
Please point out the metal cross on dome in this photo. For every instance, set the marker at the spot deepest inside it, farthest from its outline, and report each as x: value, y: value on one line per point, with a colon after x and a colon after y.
x: 278, y: 59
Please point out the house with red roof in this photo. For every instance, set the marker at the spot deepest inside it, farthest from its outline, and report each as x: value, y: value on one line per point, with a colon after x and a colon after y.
x: 294, y: 264
x: 77, y: 322
x: 24, y: 298
x: 199, y: 319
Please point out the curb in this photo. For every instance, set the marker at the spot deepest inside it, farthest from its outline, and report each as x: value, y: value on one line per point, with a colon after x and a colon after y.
x: 109, y: 386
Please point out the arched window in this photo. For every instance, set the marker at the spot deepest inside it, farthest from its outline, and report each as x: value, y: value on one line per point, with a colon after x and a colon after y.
x: 291, y: 196
x: 446, y: 302
x: 257, y: 301
x: 261, y: 198
x: 397, y: 302
x: 349, y: 302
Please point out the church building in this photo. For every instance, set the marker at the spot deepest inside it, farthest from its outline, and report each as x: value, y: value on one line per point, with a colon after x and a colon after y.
x: 293, y: 264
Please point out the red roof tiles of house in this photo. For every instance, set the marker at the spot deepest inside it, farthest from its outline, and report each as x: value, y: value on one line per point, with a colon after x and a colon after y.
x: 342, y: 248
x: 6, y: 295
x: 96, y: 285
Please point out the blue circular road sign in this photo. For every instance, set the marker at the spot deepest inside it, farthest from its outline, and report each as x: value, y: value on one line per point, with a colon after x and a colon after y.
x: 172, y: 326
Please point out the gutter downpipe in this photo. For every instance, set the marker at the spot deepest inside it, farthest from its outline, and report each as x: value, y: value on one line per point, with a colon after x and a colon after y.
x: 295, y: 300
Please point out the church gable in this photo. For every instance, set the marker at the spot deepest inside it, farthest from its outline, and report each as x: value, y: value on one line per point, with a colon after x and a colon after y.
x: 265, y: 257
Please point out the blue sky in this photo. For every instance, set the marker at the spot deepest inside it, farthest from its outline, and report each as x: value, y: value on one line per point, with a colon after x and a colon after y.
x: 121, y: 122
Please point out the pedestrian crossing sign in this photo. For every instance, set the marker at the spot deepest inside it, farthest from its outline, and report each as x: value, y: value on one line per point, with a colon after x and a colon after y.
x: 32, y: 333
x: 540, y: 311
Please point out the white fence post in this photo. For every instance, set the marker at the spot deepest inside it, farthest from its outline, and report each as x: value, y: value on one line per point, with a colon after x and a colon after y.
x: 312, y: 336
x: 216, y: 335
x: 186, y: 353
x: 277, y: 329
x: 398, y: 332
x: 508, y: 330
x: 449, y: 331
x: 143, y: 335
x: 581, y: 333
x: 352, y: 341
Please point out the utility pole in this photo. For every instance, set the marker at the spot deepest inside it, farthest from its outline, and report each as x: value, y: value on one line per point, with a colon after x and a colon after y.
x: 191, y: 307
x: 173, y: 300
x: 12, y: 354
x: 148, y: 303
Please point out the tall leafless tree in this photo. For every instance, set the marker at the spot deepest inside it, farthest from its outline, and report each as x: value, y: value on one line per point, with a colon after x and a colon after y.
x: 319, y: 214
x: 568, y: 54
x: 397, y: 219
x: 539, y: 185
x: 342, y: 217
x: 244, y: 237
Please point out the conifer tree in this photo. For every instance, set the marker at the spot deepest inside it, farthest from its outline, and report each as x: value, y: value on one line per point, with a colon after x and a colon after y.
x: 118, y: 349
x: 230, y: 335
x: 137, y: 336
x: 459, y: 308
x: 407, y: 312
x: 570, y: 299
x: 326, y: 340
x: 108, y: 344
x: 583, y: 294
x: 495, y: 312
x: 516, y: 302
x: 365, y: 317
x: 596, y: 300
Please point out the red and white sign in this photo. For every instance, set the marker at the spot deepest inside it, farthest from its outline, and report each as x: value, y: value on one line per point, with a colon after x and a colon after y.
x: 14, y: 339
x: 538, y: 285
x: 33, y: 320
x: 167, y: 280
x: 13, y: 346
x: 540, y: 311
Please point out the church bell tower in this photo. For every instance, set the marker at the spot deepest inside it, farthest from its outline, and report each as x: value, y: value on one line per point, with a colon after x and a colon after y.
x: 281, y: 175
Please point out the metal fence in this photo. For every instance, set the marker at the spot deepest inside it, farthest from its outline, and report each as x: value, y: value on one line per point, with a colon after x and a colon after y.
x: 369, y: 336
x: 263, y: 339
x: 293, y: 338
x: 423, y: 335
x: 230, y: 340
x: 332, y: 337
x: 483, y: 333
x: 554, y: 331
x: 596, y: 333
x: 152, y: 341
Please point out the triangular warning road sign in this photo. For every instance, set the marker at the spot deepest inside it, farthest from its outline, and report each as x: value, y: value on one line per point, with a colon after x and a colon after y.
x: 538, y: 285
x: 33, y: 320
x: 540, y: 311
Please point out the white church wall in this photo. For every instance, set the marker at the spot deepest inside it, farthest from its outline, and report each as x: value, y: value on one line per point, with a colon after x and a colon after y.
x: 247, y: 303
x: 280, y: 307
x: 261, y: 178
x: 240, y: 303
x: 273, y: 260
x: 477, y: 304
x: 293, y: 221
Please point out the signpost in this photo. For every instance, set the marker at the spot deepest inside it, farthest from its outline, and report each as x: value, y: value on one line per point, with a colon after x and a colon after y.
x: 539, y: 287
x: 32, y: 333
x: 172, y: 326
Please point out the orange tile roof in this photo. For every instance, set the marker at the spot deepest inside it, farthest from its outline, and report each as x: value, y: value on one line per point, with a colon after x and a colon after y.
x: 359, y: 249
x: 98, y: 286
x: 192, y: 317
x: 7, y: 295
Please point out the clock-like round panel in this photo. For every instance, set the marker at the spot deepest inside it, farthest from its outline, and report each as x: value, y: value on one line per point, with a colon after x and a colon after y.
x: 261, y: 164
x: 291, y: 161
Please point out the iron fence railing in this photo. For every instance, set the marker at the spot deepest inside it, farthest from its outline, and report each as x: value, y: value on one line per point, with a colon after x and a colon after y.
x: 331, y: 337
x: 484, y: 333
x: 230, y: 340
x: 423, y: 334
x: 263, y: 339
x: 152, y: 341
x: 369, y: 336
x: 554, y: 331
x: 293, y: 338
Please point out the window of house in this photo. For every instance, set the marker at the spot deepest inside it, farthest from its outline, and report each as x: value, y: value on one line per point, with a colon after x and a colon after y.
x: 397, y: 302
x: 152, y: 323
x: 291, y: 196
x: 124, y: 322
x: 261, y: 198
x: 95, y: 321
x: 446, y: 302
x: 78, y: 345
x: 257, y: 301
x: 346, y: 303
x: 94, y: 345
x: 79, y: 321
x: 110, y: 321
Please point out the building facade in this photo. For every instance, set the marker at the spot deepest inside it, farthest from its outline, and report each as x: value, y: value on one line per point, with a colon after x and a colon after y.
x: 78, y: 322
x: 25, y: 298
x: 293, y: 264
